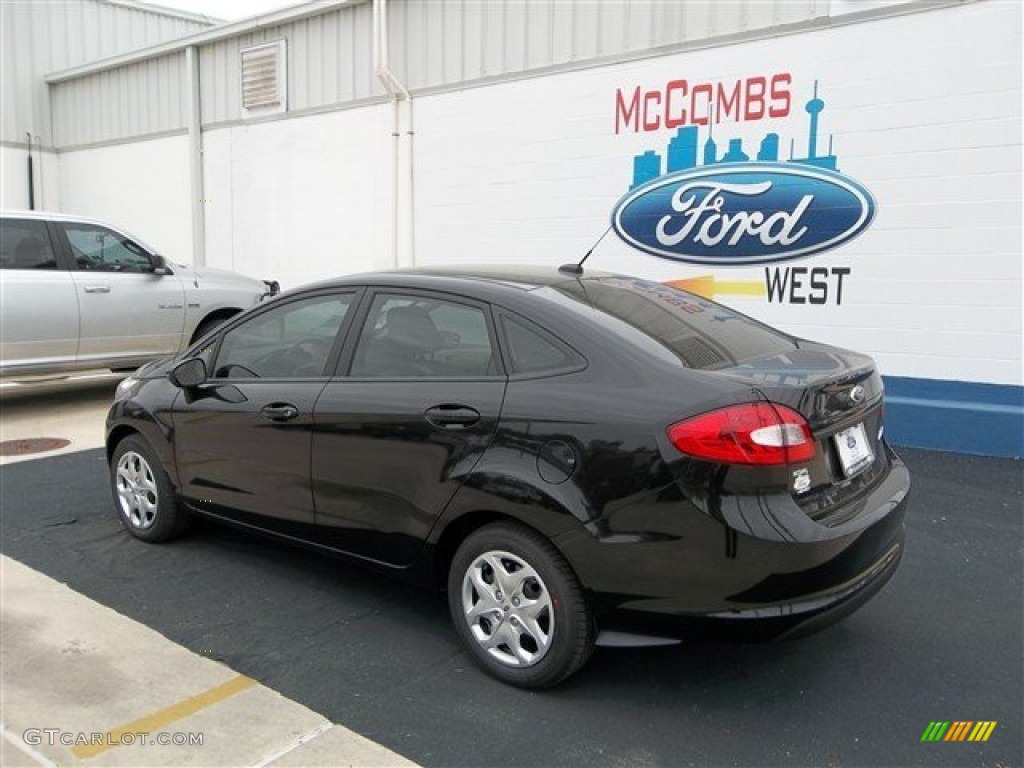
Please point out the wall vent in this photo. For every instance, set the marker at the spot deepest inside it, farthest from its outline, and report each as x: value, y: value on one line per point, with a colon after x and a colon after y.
x: 265, y: 78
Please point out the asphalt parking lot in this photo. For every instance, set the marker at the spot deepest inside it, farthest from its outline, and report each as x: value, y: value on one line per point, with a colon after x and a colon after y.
x: 943, y: 641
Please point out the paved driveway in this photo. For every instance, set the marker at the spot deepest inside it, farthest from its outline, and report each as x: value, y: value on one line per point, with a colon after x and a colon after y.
x: 941, y: 642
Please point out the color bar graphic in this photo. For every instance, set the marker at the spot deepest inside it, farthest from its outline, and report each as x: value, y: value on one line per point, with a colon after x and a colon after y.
x: 958, y: 730
x: 982, y: 730
x: 935, y: 731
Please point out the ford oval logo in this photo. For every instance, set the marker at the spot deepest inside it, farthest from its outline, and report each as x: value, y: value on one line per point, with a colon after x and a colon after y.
x: 748, y: 214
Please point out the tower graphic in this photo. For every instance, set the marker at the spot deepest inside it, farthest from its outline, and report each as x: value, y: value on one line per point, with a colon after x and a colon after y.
x: 646, y: 167
x: 814, y: 108
x: 682, y: 151
x: 769, y: 151
x: 710, y: 148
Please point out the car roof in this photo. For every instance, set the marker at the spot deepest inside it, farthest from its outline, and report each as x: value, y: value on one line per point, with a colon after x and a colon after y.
x: 13, y: 213
x: 481, y: 277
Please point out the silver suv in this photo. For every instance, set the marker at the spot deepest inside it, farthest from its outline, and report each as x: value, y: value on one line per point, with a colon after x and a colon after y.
x: 78, y: 294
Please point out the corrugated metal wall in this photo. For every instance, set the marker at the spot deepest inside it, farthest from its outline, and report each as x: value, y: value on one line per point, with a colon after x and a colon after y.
x: 139, y: 99
x: 435, y: 44
x: 442, y: 43
x: 41, y: 37
x: 450, y: 42
x: 330, y: 61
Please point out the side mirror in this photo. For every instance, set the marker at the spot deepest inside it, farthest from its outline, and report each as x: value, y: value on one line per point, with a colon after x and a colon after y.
x: 160, y: 266
x: 188, y: 373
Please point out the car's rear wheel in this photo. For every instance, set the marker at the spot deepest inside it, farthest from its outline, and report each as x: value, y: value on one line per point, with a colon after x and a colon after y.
x: 518, y: 607
x: 143, y: 494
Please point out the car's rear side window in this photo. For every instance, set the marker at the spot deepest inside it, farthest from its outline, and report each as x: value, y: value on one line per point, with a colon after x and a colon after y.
x: 25, y: 244
x: 700, y: 333
x: 423, y: 336
x: 533, y: 351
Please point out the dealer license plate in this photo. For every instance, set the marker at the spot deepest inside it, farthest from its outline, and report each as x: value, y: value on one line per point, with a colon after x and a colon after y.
x: 855, y: 452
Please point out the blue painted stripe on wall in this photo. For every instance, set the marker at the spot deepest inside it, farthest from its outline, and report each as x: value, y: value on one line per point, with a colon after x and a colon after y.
x: 959, y: 416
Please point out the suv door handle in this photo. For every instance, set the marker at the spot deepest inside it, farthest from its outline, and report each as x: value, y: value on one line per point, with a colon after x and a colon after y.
x: 279, y: 412
x: 97, y: 289
x: 452, y: 416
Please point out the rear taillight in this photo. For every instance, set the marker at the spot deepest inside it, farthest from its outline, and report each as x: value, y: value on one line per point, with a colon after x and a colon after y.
x: 752, y: 433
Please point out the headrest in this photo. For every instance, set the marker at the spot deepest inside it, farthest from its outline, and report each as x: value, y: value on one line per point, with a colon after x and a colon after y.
x: 412, y: 327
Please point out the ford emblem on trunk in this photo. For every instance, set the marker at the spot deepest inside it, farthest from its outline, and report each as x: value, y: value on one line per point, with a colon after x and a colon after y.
x: 751, y: 213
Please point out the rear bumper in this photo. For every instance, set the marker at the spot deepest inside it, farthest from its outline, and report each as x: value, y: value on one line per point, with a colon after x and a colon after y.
x: 698, y: 577
x: 762, y: 623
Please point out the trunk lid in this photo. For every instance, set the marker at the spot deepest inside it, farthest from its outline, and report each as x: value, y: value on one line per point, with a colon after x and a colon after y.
x: 840, y: 393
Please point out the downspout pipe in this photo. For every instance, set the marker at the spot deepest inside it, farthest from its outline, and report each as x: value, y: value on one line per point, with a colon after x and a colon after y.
x: 195, y: 152
x: 399, y: 94
x: 31, y: 177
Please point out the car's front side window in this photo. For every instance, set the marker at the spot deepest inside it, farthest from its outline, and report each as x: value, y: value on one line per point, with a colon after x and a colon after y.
x: 25, y: 244
x: 98, y: 249
x: 291, y: 341
x: 419, y: 336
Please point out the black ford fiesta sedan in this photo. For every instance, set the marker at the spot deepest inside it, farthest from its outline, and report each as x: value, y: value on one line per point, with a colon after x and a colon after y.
x: 576, y: 459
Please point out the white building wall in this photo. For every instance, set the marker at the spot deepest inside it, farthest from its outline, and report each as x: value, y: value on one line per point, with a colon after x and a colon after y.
x: 529, y: 171
x: 300, y: 200
x: 141, y: 186
x: 14, y: 177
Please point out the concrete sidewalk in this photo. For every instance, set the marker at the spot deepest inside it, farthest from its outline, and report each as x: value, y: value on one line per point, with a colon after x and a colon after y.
x: 83, y: 685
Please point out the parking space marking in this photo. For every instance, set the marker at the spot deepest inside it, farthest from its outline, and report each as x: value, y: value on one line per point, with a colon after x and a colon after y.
x: 24, y: 748
x: 164, y: 717
x: 274, y: 756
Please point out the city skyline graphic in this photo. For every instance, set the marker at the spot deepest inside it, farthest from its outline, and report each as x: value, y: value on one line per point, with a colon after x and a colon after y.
x: 682, y: 150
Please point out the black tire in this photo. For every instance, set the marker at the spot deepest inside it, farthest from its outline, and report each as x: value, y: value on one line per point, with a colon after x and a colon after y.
x: 143, y: 495
x: 508, y: 623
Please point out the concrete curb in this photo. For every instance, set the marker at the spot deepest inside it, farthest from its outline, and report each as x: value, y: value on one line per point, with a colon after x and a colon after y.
x: 81, y: 684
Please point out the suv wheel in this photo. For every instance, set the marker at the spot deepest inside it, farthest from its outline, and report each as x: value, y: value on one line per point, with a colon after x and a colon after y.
x: 518, y: 607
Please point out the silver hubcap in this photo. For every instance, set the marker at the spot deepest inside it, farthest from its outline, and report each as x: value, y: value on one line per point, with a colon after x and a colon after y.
x: 508, y: 609
x: 136, y: 490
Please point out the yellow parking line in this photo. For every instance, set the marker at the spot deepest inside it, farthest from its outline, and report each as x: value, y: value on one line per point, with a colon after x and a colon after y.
x: 164, y: 717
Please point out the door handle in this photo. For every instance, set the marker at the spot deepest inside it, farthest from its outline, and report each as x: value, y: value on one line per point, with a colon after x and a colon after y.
x: 97, y: 289
x: 452, y: 416
x: 279, y: 412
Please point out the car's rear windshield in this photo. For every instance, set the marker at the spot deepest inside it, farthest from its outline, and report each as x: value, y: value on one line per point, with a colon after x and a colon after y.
x: 700, y: 333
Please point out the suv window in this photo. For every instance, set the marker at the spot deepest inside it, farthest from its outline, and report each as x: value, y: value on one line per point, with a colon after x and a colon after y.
x: 531, y: 350
x: 698, y: 332
x: 416, y: 336
x: 96, y: 248
x: 25, y: 244
x: 292, y: 341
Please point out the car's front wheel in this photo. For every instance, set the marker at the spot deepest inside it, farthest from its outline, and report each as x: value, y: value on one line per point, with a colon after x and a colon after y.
x: 143, y: 494
x: 518, y: 607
